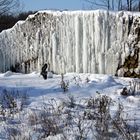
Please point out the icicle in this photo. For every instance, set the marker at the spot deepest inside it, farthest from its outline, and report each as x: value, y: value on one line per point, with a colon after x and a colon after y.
x: 71, y: 41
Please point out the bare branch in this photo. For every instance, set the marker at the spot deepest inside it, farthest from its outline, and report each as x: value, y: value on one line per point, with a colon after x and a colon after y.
x: 95, y: 3
x: 115, y: 4
x: 8, y: 5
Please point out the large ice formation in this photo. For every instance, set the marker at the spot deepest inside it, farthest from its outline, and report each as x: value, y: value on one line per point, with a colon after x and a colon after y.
x: 73, y: 41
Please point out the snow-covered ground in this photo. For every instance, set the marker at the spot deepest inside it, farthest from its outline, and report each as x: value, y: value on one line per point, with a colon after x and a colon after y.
x: 80, y: 88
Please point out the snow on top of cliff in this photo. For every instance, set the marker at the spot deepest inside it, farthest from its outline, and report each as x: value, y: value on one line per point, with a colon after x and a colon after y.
x: 10, y: 29
x: 125, y: 13
x: 58, y: 13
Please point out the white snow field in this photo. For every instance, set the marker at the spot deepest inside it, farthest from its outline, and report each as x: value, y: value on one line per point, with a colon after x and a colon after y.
x: 50, y: 113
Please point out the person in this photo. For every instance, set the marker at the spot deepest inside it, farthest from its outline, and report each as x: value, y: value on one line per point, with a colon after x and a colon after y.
x: 44, y: 71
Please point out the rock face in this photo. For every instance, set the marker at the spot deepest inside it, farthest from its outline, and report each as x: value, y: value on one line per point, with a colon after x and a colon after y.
x: 130, y: 67
x: 74, y: 41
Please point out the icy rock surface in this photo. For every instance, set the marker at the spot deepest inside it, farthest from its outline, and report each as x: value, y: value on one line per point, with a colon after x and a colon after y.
x: 70, y: 41
x: 130, y: 66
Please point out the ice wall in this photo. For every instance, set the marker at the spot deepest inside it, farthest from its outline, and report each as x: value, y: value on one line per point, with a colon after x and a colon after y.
x: 70, y: 41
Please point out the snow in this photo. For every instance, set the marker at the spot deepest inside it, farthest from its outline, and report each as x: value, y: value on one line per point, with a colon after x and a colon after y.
x: 70, y: 41
x: 81, y: 87
x: 91, y: 43
x: 50, y: 75
x: 8, y: 73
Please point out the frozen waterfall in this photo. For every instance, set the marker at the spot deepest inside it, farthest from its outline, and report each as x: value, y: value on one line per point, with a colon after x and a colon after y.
x: 70, y: 41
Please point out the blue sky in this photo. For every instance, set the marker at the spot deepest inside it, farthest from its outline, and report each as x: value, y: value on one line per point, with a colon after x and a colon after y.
x: 53, y: 4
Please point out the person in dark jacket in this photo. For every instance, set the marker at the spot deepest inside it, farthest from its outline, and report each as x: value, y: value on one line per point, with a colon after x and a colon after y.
x: 44, y: 71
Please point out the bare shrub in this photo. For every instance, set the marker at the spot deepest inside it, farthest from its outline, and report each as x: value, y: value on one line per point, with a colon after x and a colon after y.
x: 100, y: 115
x: 77, y: 80
x: 46, y: 122
x: 11, y: 102
x: 71, y: 120
x: 122, y: 128
x: 13, y: 133
x: 70, y: 102
x: 33, y: 118
x: 49, y: 126
x: 64, y: 84
x: 132, y: 89
x: 18, y: 133
x: 8, y: 101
